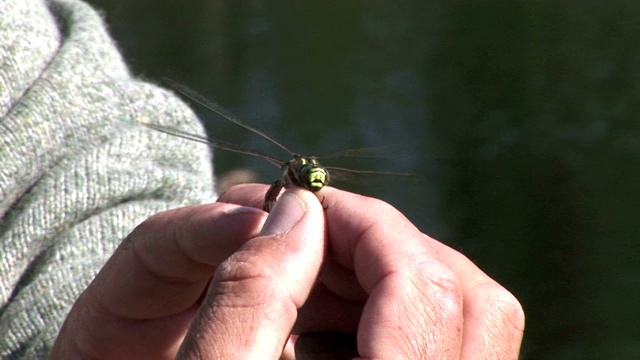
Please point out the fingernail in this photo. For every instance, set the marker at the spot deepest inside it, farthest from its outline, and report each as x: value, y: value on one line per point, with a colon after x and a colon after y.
x: 284, y: 215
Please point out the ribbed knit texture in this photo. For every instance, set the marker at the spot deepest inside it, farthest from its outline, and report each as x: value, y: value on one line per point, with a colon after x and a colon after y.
x: 77, y: 170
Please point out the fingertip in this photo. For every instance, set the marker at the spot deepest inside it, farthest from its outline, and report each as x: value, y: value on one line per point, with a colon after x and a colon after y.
x: 287, y: 212
x: 272, y: 273
x: 311, y: 200
x: 290, y: 208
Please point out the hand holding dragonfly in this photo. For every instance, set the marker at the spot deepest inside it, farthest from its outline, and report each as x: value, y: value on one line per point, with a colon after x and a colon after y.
x: 227, y: 281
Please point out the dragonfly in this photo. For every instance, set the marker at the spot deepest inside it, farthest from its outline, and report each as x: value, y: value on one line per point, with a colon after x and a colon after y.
x: 302, y: 171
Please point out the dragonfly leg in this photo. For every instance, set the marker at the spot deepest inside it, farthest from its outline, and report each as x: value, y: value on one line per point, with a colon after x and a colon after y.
x: 272, y: 194
x: 324, y: 207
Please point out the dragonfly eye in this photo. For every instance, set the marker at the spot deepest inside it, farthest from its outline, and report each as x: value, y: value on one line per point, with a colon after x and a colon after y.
x: 313, y: 176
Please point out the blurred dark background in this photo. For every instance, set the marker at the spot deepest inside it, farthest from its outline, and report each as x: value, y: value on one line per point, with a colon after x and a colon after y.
x: 522, y: 116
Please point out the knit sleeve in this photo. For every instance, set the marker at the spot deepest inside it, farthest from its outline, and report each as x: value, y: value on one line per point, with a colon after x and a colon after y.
x: 77, y: 170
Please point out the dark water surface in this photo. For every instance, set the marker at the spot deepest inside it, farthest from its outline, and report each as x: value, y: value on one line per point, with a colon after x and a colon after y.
x: 523, y: 117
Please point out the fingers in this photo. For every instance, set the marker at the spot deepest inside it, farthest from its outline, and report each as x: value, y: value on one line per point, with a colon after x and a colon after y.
x: 406, y: 295
x: 171, y: 256
x: 494, y: 319
x: 252, y: 302
x: 431, y: 283
x: 424, y: 298
x: 141, y: 303
x: 415, y: 301
x: 246, y: 195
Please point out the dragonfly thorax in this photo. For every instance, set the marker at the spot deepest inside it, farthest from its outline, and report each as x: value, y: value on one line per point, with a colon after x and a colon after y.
x: 306, y: 172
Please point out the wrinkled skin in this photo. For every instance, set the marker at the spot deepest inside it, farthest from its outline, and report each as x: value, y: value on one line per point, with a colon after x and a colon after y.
x: 353, y: 280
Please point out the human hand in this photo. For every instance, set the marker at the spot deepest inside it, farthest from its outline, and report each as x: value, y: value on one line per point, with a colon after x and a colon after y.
x: 400, y: 292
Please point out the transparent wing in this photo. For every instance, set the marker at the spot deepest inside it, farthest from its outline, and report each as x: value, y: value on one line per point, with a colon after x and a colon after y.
x: 193, y: 95
x: 220, y: 144
x: 378, y: 152
x: 367, y: 176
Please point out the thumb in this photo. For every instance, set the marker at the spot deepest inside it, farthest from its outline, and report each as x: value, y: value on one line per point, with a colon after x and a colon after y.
x: 252, y: 301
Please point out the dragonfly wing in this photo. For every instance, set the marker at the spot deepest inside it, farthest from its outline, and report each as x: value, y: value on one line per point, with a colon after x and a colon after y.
x: 376, y: 152
x: 216, y: 143
x: 365, y: 176
x: 194, y: 96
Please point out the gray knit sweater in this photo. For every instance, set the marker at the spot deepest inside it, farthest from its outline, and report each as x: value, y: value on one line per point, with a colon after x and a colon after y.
x: 77, y: 170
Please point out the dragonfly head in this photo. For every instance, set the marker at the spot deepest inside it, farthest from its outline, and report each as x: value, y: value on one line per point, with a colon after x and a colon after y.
x: 309, y: 173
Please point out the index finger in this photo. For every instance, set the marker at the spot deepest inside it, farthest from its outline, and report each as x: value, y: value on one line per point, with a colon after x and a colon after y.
x: 246, y: 195
x: 142, y: 301
x: 172, y: 255
x: 415, y: 300
x: 370, y: 236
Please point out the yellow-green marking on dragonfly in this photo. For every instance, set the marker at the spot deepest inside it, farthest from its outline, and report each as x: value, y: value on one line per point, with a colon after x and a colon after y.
x: 302, y: 171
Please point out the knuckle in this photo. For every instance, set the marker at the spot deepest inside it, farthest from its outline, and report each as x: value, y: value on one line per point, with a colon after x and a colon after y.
x: 439, y: 288
x: 243, y: 266
x: 499, y: 306
x: 432, y: 297
x: 243, y: 280
x: 247, y: 283
x: 446, y: 291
